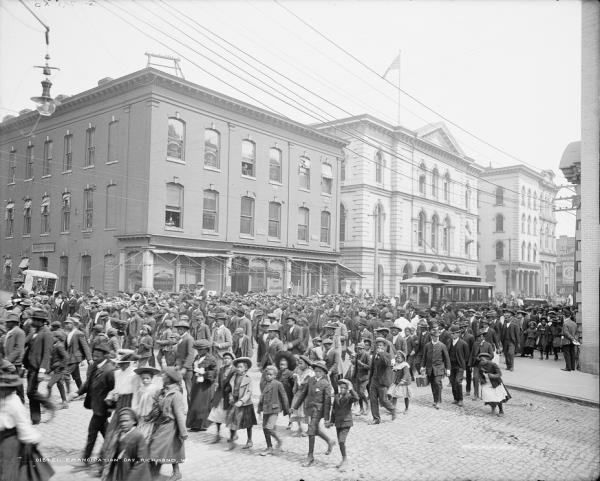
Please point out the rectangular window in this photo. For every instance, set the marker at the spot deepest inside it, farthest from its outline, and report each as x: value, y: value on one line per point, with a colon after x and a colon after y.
x: 113, y: 141
x: 210, y: 217
x: 9, y: 216
x: 325, y: 227
x: 578, y: 266
x: 303, y: 224
x: 63, y: 273
x: 90, y: 147
x: 275, y: 165
x: 275, y: 220
x: 29, y: 162
x: 248, y: 158
x: 65, y: 215
x: 247, y: 216
x: 45, y: 216
x: 86, y: 273
x: 174, y: 207
x: 44, y: 264
x: 304, y: 173
x: 47, y: 166
x: 326, y: 179
x: 68, y: 154
x: 212, y: 148
x: 12, y: 166
x: 111, y: 206
x: 88, y: 208
x: 27, y: 217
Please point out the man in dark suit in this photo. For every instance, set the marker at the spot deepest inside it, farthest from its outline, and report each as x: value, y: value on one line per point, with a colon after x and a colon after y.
x: 185, y: 354
x: 297, y: 336
x: 569, y: 333
x: 380, y: 379
x: 316, y: 395
x: 273, y: 347
x: 37, y: 361
x: 398, y: 340
x: 77, y: 350
x: 100, y: 381
x: 436, y: 363
x: 469, y: 338
x: 459, y: 359
x: 14, y: 348
x: 510, y: 341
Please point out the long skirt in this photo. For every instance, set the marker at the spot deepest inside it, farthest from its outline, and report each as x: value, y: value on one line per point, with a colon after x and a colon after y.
x: 9, y: 459
x: 242, y: 417
x: 166, y: 447
x: 400, y: 391
x: 218, y: 414
x: 199, y: 409
x: 494, y: 395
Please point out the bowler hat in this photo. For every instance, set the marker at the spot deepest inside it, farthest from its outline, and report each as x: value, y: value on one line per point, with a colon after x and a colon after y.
x: 454, y: 329
x: 12, y: 317
x: 380, y: 339
x: 320, y: 365
x: 181, y: 323
x: 39, y: 314
x: 202, y: 344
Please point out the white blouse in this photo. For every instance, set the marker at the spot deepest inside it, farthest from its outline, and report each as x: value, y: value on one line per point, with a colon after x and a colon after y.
x: 14, y: 414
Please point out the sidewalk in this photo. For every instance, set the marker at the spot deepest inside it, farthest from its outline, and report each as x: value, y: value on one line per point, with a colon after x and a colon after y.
x: 545, y: 377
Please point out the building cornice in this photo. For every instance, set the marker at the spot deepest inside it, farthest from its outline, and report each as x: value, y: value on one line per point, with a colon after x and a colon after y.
x: 520, y: 169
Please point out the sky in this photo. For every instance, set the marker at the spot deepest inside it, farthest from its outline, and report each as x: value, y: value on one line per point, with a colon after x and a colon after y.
x: 505, y: 75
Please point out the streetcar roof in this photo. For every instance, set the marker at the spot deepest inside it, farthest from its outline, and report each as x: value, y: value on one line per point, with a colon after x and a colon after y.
x: 444, y: 282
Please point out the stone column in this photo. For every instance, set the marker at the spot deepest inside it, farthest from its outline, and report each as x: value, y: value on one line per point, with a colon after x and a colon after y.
x: 147, y: 270
x: 227, y: 274
x: 122, y: 270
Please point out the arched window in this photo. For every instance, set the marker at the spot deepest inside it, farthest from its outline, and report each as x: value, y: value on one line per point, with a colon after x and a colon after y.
x: 379, y: 216
x: 27, y: 217
x: 523, y: 196
x: 174, y: 205
x: 523, y: 251
x: 499, y: 196
x: 248, y: 158
x: 212, y: 148
x: 529, y: 198
x: 534, y: 232
x: 446, y: 235
x: 435, y: 182
x: 523, y: 223
x: 529, y: 252
x: 435, y: 227
x: 45, y: 218
x: 529, y: 224
x: 499, y: 250
x: 342, y: 223
x: 499, y: 223
x: 176, y: 139
x: 379, y: 167
x: 535, y: 253
x: 422, y: 179
x: 274, y: 164
x: 447, y: 187
x: 421, y: 230
x: 65, y: 214
x: 210, y: 211
x: 325, y: 227
x: 535, y: 200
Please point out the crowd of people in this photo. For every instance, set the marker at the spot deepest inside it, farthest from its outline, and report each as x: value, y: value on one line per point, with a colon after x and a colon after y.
x: 160, y: 366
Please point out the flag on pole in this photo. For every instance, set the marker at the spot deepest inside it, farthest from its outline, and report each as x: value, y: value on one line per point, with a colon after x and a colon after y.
x: 395, y: 65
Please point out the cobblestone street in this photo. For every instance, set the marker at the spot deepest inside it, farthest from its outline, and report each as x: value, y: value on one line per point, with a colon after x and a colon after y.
x: 539, y: 438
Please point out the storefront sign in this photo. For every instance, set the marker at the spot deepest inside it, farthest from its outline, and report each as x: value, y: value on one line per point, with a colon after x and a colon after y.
x: 41, y: 248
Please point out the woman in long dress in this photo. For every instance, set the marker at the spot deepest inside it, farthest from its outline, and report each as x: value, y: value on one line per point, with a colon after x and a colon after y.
x: 143, y: 399
x: 169, y: 433
x: 220, y: 401
x: 493, y: 390
x: 204, y: 374
x: 301, y: 376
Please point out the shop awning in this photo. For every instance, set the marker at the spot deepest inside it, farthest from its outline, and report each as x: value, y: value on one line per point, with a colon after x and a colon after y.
x: 191, y: 254
x: 344, y: 272
x: 347, y: 272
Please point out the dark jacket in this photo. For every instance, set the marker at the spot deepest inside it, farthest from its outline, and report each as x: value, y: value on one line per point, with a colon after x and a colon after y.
x: 273, y: 399
x: 362, y: 366
x: 59, y: 356
x: 223, y: 387
x: 298, y: 339
x: 511, y: 334
x: 459, y: 354
x: 100, y: 381
x: 79, y: 349
x: 316, y: 395
x: 381, y: 369
x: 436, y: 359
x: 129, y: 457
x: 184, y: 352
x: 39, y: 349
x: 478, y: 348
x: 341, y: 409
x: 15, y: 346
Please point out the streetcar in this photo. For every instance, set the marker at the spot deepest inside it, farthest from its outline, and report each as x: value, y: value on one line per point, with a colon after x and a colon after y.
x: 427, y: 289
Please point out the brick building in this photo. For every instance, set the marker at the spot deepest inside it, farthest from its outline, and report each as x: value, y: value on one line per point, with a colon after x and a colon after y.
x: 408, y: 202
x: 151, y: 181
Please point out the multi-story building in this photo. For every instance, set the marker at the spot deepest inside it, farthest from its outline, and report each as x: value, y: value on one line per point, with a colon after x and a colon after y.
x: 565, y: 266
x: 408, y: 203
x: 150, y: 181
x: 518, y: 225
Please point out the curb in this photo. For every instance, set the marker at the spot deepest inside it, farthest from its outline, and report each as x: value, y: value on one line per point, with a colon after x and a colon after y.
x: 564, y: 397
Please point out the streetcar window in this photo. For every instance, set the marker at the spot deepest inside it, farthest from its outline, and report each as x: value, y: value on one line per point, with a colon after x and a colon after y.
x: 424, y: 295
x: 437, y: 294
x: 473, y: 294
x: 412, y: 293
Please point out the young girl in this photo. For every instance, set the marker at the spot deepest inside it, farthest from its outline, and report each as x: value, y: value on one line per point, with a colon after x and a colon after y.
x: 242, y: 414
x: 493, y: 391
x: 273, y: 400
x: 286, y: 362
x: 341, y: 416
x: 143, y: 399
x: 220, y: 401
x: 302, y: 374
x: 401, y: 386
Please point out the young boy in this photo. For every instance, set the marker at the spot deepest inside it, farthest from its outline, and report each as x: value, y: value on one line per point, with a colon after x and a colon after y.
x: 341, y: 416
x: 273, y: 400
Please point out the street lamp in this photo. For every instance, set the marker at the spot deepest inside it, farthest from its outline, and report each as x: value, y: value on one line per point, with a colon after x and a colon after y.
x: 46, y: 104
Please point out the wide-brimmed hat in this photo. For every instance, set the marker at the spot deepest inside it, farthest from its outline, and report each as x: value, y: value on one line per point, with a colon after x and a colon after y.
x: 346, y: 382
x: 202, y: 344
x: 454, y: 329
x: 125, y: 355
x: 399, y: 351
x: 330, y: 325
x: 485, y: 355
x: 381, y: 339
x: 287, y: 355
x: 320, y: 365
x: 181, y: 323
x: 173, y: 374
x: 246, y: 360
x: 147, y: 370
x: 39, y: 314
x: 383, y: 328
x: 306, y: 359
x: 11, y: 317
x: 229, y: 354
